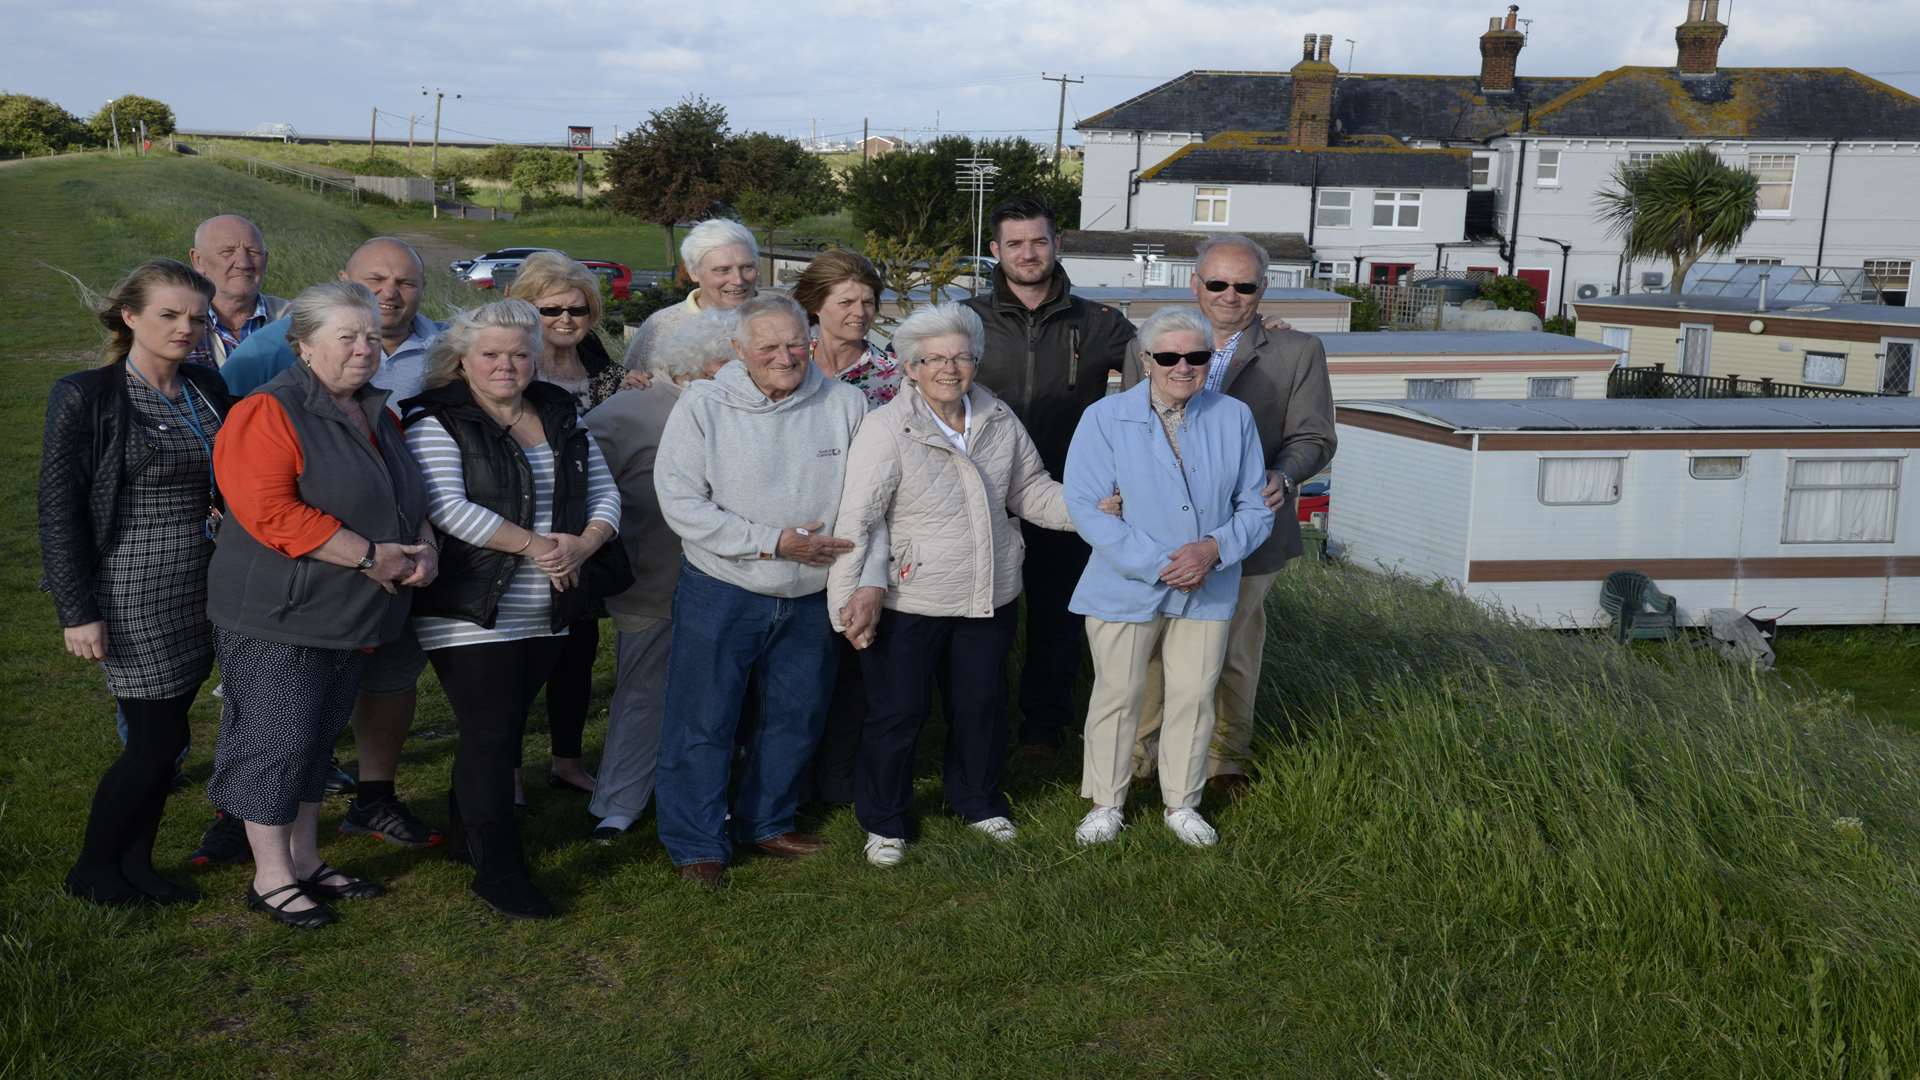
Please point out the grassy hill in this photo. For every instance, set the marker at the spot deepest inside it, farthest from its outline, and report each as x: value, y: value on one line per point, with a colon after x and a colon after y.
x: 1474, y: 850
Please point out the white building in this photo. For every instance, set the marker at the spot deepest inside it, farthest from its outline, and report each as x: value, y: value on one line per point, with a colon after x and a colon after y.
x: 1386, y: 174
x: 1733, y: 503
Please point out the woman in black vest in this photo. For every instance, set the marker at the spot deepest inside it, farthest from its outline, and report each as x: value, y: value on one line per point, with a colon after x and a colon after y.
x: 327, y: 540
x: 126, y: 504
x: 524, y: 499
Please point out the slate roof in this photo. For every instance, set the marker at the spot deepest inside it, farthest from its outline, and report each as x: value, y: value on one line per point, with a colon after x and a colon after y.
x: 1222, y: 161
x: 1281, y: 247
x: 1642, y: 102
x: 1638, y: 414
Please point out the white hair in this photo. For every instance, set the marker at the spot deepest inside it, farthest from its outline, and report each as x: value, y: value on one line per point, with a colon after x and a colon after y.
x: 1230, y: 240
x: 940, y: 320
x: 1172, y: 320
x: 689, y: 345
x: 763, y: 304
x: 710, y: 236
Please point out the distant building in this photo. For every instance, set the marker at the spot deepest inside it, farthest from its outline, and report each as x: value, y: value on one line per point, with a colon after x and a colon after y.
x: 876, y: 145
x: 1390, y: 175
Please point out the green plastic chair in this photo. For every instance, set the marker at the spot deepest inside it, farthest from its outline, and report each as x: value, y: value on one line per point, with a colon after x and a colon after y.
x: 1640, y: 610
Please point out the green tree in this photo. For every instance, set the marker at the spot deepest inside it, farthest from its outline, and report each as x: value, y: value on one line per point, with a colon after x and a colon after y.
x: 544, y: 173
x: 1510, y: 293
x: 905, y: 266
x: 497, y: 163
x: 777, y: 182
x: 674, y: 167
x: 31, y: 125
x: 1680, y: 207
x: 128, y: 110
x: 910, y: 195
x: 1364, y: 314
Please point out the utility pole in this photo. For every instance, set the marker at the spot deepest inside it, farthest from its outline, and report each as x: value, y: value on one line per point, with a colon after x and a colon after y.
x: 113, y: 121
x: 438, y: 95
x: 1060, y: 125
x: 373, y: 132
x: 865, y: 134
x: 410, y: 121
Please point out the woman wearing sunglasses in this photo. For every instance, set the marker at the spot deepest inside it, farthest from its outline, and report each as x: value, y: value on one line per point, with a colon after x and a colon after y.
x: 567, y: 296
x: 1165, y: 571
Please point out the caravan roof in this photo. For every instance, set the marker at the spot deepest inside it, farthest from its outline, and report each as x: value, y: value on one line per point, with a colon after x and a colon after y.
x: 1618, y: 414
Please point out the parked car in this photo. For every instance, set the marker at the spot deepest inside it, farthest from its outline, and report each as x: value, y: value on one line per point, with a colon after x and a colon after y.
x: 618, y: 276
x: 479, y: 272
x: 1315, y: 497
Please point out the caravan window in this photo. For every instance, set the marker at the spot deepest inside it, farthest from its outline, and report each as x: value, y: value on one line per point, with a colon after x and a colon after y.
x: 1439, y: 389
x: 1550, y: 388
x: 1716, y: 468
x: 1580, y: 481
x: 1841, y: 500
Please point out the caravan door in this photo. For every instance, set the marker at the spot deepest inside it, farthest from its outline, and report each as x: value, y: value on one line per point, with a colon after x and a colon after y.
x: 1696, y: 348
x: 1896, y: 365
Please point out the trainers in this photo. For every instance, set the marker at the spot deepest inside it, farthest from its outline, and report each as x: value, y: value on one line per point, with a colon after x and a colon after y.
x: 223, y: 844
x: 340, y: 781
x: 999, y: 828
x: 1101, y: 824
x: 885, y: 850
x: 389, y: 820
x: 1191, y: 828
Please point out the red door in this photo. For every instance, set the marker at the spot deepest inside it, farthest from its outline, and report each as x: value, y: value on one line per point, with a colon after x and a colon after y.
x: 1540, y: 280
x: 1387, y: 273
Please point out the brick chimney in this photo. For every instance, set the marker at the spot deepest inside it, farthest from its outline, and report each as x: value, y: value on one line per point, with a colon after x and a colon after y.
x: 1699, y: 38
x: 1310, y: 123
x: 1500, y: 52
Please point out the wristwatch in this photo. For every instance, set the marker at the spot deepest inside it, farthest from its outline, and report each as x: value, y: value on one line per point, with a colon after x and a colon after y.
x: 366, y: 561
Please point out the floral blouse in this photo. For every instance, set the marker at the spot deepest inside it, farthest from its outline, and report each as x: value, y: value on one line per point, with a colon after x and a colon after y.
x: 877, y: 374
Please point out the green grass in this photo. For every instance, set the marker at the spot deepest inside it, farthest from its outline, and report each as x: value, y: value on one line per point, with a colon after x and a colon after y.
x: 1474, y: 850
x: 1878, y: 666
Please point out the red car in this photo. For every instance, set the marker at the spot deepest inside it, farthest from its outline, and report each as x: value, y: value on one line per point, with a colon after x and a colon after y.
x: 618, y: 276
x: 1315, y: 495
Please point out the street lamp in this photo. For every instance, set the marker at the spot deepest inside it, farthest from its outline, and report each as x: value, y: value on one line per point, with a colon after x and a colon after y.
x: 1566, y: 251
x: 975, y: 176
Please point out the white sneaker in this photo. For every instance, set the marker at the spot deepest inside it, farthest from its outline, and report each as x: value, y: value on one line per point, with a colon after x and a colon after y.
x: 1101, y: 825
x: 1191, y: 828
x: 999, y: 828
x: 885, y: 850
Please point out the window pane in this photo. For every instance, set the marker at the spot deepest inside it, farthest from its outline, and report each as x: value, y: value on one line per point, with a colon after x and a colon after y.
x: 1716, y: 468
x: 1439, y: 389
x: 1824, y: 369
x: 1481, y: 173
x: 1580, y: 481
x: 1549, y: 388
x: 1382, y: 215
x: 1824, y: 472
x: 1410, y: 214
x: 1892, y: 274
x: 1548, y: 169
x: 1620, y: 337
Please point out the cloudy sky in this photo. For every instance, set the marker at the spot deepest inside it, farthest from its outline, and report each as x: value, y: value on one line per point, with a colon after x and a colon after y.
x: 525, y: 70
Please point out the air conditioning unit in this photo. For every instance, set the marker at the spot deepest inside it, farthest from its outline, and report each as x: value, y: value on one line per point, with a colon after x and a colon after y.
x: 1586, y: 291
x: 1653, y: 279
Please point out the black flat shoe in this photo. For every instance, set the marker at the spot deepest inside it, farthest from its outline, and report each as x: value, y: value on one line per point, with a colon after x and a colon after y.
x: 311, y: 919
x: 157, y: 889
x: 516, y: 898
x: 353, y: 888
x: 605, y: 834
x: 559, y: 783
x: 105, y: 890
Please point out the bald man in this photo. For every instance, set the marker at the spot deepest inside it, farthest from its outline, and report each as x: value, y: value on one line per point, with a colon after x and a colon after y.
x: 229, y: 251
x: 394, y: 272
x: 383, y: 713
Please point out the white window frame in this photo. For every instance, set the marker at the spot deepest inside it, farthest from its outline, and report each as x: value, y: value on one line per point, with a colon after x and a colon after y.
x: 1480, y: 172
x: 1396, y: 203
x: 1756, y: 162
x: 1321, y: 208
x: 1619, y: 479
x: 1468, y: 396
x: 1824, y: 354
x: 1893, y: 513
x: 1639, y: 158
x: 1532, y: 380
x: 1889, y: 271
x: 1335, y: 270
x: 1215, y: 199
x: 1739, y: 466
x: 1756, y: 260
x: 1626, y: 349
x: 1546, y: 173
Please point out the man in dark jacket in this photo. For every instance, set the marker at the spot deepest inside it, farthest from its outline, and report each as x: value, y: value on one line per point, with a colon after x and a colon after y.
x: 1048, y: 355
x: 1281, y: 375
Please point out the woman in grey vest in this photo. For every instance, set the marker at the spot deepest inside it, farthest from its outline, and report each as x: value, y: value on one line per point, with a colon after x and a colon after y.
x: 326, y: 539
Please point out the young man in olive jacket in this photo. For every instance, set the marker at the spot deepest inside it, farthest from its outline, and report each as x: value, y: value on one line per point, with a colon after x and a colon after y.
x: 1048, y: 355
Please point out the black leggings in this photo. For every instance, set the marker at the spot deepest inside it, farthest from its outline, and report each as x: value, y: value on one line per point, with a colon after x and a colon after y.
x: 570, y: 688
x: 132, y: 795
x: 490, y: 687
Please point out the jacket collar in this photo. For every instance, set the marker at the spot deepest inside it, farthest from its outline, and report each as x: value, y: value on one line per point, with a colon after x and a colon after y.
x: 1059, y: 293
x: 1252, y: 340
x: 593, y: 354
x: 371, y: 399
x: 555, y: 405
x: 921, y: 423
x: 1139, y: 409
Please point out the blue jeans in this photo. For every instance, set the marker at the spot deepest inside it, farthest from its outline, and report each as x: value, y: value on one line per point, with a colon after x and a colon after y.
x: 721, y: 635
x: 120, y: 725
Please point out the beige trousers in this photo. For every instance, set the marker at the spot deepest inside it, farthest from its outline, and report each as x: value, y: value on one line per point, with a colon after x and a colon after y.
x: 1233, y: 702
x: 1123, y: 654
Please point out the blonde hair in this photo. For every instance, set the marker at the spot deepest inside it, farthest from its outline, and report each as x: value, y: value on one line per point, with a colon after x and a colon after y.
x: 454, y: 343
x: 547, y: 272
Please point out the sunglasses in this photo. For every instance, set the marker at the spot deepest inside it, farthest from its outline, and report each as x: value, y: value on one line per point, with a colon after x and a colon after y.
x: 580, y: 312
x: 1193, y: 359
x: 1244, y: 288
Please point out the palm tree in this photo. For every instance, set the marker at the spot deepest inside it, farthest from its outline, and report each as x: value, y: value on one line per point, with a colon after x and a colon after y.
x: 1679, y: 207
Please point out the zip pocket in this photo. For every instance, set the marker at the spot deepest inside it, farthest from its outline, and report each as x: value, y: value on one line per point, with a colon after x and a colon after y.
x: 901, y: 566
x: 1073, y: 357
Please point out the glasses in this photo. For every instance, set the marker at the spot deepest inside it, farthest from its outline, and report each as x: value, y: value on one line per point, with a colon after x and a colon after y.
x: 580, y: 312
x: 1244, y: 288
x: 960, y: 360
x: 1200, y: 358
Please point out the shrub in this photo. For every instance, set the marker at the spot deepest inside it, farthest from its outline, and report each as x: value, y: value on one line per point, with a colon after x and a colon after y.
x: 1510, y: 294
x: 31, y: 125
x: 1560, y: 324
x: 1366, y: 306
x: 129, y: 110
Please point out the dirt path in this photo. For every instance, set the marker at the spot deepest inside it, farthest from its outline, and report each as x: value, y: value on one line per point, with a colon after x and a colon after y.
x: 436, y: 251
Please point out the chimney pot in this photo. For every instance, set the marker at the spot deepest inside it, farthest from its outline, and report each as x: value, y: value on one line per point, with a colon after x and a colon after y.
x: 1326, y: 47
x: 1310, y: 119
x: 1493, y: 23
x: 1306, y: 53
x: 1500, y: 52
x: 1513, y: 17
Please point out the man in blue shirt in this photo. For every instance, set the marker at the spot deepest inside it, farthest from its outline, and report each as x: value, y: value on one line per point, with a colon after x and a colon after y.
x: 394, y: 273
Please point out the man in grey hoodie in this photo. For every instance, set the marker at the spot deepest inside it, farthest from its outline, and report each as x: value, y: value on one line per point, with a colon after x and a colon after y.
x: 748, y: 473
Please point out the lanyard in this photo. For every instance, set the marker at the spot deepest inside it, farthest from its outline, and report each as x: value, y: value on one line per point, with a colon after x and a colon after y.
x: 191, y: 416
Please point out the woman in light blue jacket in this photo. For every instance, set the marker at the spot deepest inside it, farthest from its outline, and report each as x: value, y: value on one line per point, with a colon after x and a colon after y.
x: 1165, y: 571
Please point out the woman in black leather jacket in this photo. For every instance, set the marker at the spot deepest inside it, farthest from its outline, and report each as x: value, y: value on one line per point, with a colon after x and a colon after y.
x: 127, y: 510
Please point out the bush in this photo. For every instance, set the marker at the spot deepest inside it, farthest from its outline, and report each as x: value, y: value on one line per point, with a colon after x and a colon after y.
x: 129, y: 110
x: 1366, y: 306
x: 1510, y: 294
x: 497, y: 163
x: 1560, y: 324
x: 31, y: 125
x: 637, y: 306
x: 379, y: 165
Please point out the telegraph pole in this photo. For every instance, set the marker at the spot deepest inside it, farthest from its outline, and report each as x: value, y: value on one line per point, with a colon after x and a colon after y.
x: 373, y: 132
x: 438, y: 95
x: 1060, y: 125
x: 865, y: 134
x: 410, y: 120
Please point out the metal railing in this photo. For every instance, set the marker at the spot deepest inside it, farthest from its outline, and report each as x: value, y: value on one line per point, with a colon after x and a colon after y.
x: 1657, y: 382
x: 311, y: 180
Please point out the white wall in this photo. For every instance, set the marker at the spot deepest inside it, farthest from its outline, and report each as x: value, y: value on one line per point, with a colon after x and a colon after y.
x: 1401, y: 505
x: 1110, y: 158
x: 1250, y: 207
x: 1378, y: 386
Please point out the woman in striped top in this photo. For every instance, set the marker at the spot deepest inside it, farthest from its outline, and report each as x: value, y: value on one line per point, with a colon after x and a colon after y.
x: 523, y: 498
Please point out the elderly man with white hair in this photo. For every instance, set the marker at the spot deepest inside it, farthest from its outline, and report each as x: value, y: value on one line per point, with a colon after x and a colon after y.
x: 229, y: 251
x: 946, y: 466
x: 723, y: 260
x: 1165, y: 572
x: 748, y: 474
x: 628, y: 427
